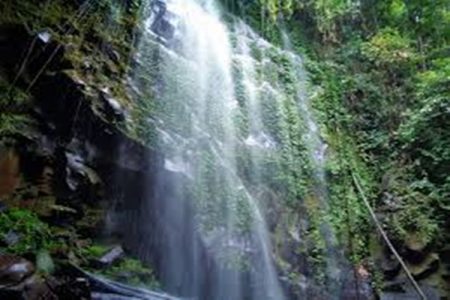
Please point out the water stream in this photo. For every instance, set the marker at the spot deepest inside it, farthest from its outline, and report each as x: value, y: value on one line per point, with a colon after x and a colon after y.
x: 229, y: 115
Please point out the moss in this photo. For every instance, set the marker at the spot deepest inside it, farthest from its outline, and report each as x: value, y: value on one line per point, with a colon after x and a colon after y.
x: 92, y: 217
x: 13, y: 107
x: 34, y: 234
x: 128, y: 270
x: 97, y: 37
x: 11, y: 124
x: 36, y: 15
x: 134, y: 272
x: 11, y: 98
x: 93, y: 251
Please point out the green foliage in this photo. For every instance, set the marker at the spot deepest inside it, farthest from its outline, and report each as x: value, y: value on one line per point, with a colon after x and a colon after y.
x: 11, y: 124
x: 387, y: 46
x: 34, y: 234
x: 328, y: 14
x: 128, y: 270
x: 315, y: 235
x: 415, y: 208
x: 12, y: 99
x: 416, y: 218
x: 435, y: 79
x: 397, y: 10
x: 36, y: 14
x: 383, y: 73
x: 13, y: 105
x: 134, y: 272
x: 94, y: 251
x: 348, y: 215
x: 275, y: 7
x: 140, y: 127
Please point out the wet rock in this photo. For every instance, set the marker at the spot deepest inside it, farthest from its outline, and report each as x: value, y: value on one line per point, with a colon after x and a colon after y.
x: 103, y: 288
x: 429, y: 266
x: 92, y: 221
x: 415, y: 249
x: 404, y: 291
x: 71, y: 287
x: 112, y: 106
x: 105, y: 296
x: 44, y: 36
x: 12, y: 37
x: 391, y: 267
x: 111, y: 52
x: 31, y: 288
x: 444, y: 254
x: 14, y: 269
x: 77, y: 170
x: 112, y: 256
x: 19, y: 281
x: 161, y: 21
x: 11, y: 238
x: 3, y: 207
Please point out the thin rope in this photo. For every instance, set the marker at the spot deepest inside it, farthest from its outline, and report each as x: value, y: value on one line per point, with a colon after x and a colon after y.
x: 77, y: 17
x: 72, y: 131
x: 387, y: 240
x: 24, y: 63
x: 43, y: 68
x: 53, y: 54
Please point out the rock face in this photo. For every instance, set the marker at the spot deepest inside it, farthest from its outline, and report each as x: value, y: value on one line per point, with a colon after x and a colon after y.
x: 9, y: 168
x: 19, y: 281
x: 13, y: 270
x: 427, y: 268
x: 407, y: 293
x: 76, y: 158
x: 113, y: 255
x: 75, y: 150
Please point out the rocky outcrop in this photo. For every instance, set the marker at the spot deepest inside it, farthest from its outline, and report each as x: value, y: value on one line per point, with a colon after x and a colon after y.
x: 75, y: 159
x: 427, y: 268
x: 19, y: 280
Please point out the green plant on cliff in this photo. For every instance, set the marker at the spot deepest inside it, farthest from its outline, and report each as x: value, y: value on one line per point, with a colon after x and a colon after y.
x: 14, y: 103
x: 128, y: 269
x: 382, y: 75
x: 133, y: 272
x: 11, y: 124
x: 32, y: 234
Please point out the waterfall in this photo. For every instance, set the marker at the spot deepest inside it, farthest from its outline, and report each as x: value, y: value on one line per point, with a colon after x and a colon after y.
x: 224, y: 111
x: 316, y: 151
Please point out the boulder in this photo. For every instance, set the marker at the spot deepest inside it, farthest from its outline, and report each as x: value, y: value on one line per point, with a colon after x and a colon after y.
x: 32, y: 288
x: 390, y: 266
x: 14, y: 270
x: 11, y: 238
x: 19, y: 281
x: 112, y: 256
x: 424, y: 269
x: 415, y: 249
x: 404, y: 291
x: 70, y: 287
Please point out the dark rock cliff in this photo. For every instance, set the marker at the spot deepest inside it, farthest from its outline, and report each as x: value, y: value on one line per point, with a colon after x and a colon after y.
x: 66, y: 154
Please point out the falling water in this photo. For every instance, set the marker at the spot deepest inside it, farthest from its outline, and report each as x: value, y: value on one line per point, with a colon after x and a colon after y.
x: 226, y: 116
x: 316, y: 150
